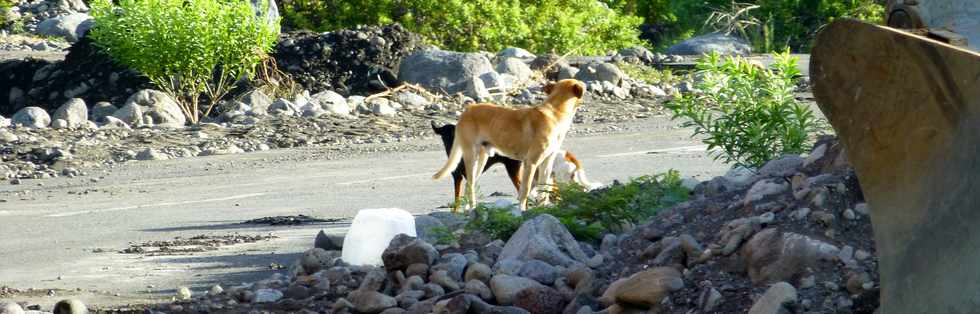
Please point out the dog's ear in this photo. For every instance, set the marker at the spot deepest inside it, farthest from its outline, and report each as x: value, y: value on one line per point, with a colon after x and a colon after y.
x: 579, y: 90
x: 548, y: 88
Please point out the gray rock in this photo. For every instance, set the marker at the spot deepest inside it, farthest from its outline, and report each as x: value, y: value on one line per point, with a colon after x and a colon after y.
x: 447, y: 71
x: 382, y: 107
x: 496, y: 82
x: 113, y: 122
x: 773, y: 256
x: 4, y: 122
x: 158, y: 107
x: 151, y: 154
x: 332, y: 102
x: 540, y: 300
x: 716, y: 42
x: 267, y: 295
x: 778, y: 299
x: 33, y: 117
x: 476, y: 88
x: 215, y: 290
x: 270, y: 12
x: 515, y: 67
x: 425, y: 227
x: 283, y: 107
x: 514, y: 52
x: 130, y: 114
x: 412, y: 100
x: 101, y: 110
x: 442, y: 278
x: 405, y: 250
x: 59, y: 124
x: 539, y: 271
x: 709, y: 300
x: 317, y: 259
x: 506, y: 287
x: 544, y: 238
x: 639, y: 52
x: 454, y: 264
x: 326, y: 242
x: 71, y: 27
x: 600, y: 72
x: 74, y: 112
x: 258, y: 101
x: 10, y: 308
x: 765, y: 189
x: 478, y: 271
x: 478, y: 288
x: 782, y: 167
x: 567, y: 72
x: 646, y: 288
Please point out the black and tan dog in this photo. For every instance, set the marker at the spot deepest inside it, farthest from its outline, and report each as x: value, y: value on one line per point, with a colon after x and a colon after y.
x: 532, y: 135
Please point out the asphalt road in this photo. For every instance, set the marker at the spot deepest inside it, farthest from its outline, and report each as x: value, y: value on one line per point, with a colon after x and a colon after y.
x: 51, y: 229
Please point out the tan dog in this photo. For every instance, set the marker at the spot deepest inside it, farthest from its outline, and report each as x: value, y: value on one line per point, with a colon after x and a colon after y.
x: 531, y: 135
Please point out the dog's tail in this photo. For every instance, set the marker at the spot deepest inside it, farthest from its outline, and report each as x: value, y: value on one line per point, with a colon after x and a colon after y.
x: 579, y: 174
x: 455, y: 156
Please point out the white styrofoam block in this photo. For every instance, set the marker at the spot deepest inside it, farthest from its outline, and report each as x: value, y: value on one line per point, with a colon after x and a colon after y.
x: 372, y: 231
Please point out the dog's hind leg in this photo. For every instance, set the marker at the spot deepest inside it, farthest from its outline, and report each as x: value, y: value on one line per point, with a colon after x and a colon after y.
x: 457, y: 190
x: 514, y: 172
x: 471, y: 161
x: 527, y: 182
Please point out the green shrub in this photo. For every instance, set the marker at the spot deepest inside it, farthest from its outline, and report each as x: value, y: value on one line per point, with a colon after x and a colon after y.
x: 186, y: 48
x: 586, y: 26
x: 4, y: 6
x: 587, y: 215
x: 651, y: 75
x: 748, y: 115
x: 781, y: 23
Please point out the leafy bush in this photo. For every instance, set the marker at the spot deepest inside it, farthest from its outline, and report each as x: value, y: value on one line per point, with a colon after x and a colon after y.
x: 587, y: 215
x: 586, y: 26
x: 748, y: 115
x: 4, y: 6
x: 187, y: 48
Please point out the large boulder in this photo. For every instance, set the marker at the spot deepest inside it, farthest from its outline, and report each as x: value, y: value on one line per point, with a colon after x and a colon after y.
x: 544, y: 238
x: 269, y: 12
x: 514, y: 52
x: 33, y: 117
x: 74, y: 112
x: 640, y: 53
x: 773, y: 256
x: 515, y: 67
x: 71, y: 26
x: 600, y: 72
x: 158, y: 107
x: 371, y: 233
x: 446, y: 71
x: 332, y: 102
x: 715, y: 42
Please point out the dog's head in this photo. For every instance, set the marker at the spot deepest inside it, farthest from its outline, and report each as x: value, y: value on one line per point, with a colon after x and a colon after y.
x: 442, y: 130
x: 565, y: 90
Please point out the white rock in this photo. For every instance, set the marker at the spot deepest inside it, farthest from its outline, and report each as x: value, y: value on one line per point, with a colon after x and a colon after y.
x: 157, y: 106
x: 184, y: 293
x: 10, y: 308
x: 765, y: 188
x: 59, y: 124
x: 514, y: 52
x: 74, y: 112
x: 33, y: 117
x: 332, y: 102
x: 382, y: 107
x: 372, y: 231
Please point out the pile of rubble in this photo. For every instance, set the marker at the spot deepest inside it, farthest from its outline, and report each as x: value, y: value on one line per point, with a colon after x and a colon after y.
x: 792, y: 237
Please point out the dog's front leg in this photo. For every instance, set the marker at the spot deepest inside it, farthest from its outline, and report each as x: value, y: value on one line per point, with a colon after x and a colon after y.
x: 527, y: 182
x: 544, y: 176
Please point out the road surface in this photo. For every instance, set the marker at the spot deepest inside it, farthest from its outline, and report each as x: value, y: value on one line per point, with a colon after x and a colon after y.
x: 53, y: 228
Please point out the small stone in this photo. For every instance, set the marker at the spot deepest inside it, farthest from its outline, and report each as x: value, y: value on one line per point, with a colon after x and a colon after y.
x: 862, y: 209
x: 831, y: 286
x: 709, y: 300
x: 441, y: 278
x: 539, y: 271
x: 506, y: 287
x: 861, y: 255
x: 184, y: 293
x: 215, y: 290
x: 849, y: 214
x: 267, y: 295
x: 417, y: 269
x: 808, y: 282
